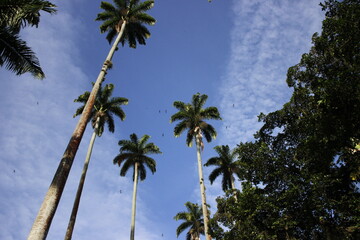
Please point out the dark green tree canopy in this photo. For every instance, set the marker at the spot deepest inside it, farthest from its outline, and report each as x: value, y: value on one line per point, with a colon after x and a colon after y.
x: 132, y: 12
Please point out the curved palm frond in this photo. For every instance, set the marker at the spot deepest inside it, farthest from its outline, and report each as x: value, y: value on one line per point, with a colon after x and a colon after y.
x: 17, y: 56
x: 214, y: 174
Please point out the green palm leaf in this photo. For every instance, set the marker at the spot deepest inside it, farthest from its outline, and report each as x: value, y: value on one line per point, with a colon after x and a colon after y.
x: 17, y: 56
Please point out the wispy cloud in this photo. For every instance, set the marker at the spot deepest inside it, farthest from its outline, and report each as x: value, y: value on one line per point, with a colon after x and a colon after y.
x: 267, y: 38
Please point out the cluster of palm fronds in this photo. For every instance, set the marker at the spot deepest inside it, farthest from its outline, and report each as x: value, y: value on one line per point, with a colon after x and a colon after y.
x: 15, y: 54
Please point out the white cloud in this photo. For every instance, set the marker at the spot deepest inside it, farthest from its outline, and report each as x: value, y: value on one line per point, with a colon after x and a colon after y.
x: 267, y: 38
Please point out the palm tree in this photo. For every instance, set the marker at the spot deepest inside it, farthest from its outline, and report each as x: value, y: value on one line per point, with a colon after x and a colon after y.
x: 191, y: 117
x: 104, y: 109
x: 225, y: 165
x: 130, y: 13
x: 14, y: 52
x: 133, y: 153
x: 193, y: 219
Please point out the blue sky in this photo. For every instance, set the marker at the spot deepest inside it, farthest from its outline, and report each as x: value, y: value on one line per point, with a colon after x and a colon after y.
x: 237, y: 52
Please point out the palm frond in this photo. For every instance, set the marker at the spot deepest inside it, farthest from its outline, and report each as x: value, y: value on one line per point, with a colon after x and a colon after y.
x: 141, y: 7
x: 179, y: 105
x: 142, y: 172
x: 214, y: 174
x: 189, y: 138
x: 210, y: 113
x: 129, y: 163
x: 117, y: 111
x: 179, y: 128
x: 209, y: 132
x: 108, y: 7
x: 18, y: 14
x: 143, y: 140
x: 110, y: 122
x: 214, y: 161
x: 150, y: 163
x: 17, y: 56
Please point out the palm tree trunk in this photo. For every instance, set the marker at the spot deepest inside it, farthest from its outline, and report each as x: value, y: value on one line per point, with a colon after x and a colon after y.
x: 72, y: 220
x: 49, y: 205
x: 233, y: 187
x: 133, y: 209
x: 202, y: 188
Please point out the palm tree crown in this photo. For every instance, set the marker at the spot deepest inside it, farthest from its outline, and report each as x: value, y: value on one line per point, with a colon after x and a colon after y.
x: 193, y: 219
x: 130, y: 12
x: 225, y: 165
x: 192, y: 116
x: 104, y: 108
x: 135, y: 151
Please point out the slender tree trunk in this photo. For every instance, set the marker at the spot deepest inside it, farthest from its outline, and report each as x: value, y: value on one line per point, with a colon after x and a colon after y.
x: 133, y: 209
x: 232, y: 183
x: 233, y: 187
x: 74, y: 211
x: 202, y: 188
x: 49, y: 205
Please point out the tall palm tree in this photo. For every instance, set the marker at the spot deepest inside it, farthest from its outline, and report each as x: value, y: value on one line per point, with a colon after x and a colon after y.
x: 14, y: 52
x: 104, y: 109
x: 193, y: 219
x: 133, y: 153
x: 192, y: 117
x: 128, y: 12
x: 226, y: 165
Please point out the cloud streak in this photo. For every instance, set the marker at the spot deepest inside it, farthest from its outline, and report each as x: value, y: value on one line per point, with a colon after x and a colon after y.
x: 267, y: 38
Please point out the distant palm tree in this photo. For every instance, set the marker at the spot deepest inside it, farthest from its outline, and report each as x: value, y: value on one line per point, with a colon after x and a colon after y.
x: 192, y: 117
x: 104, y: 109
x: 133, y: 153
x: 226, y: 165
x: 14, y: 52
x: 193, y: 219
x: 130, y: 14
